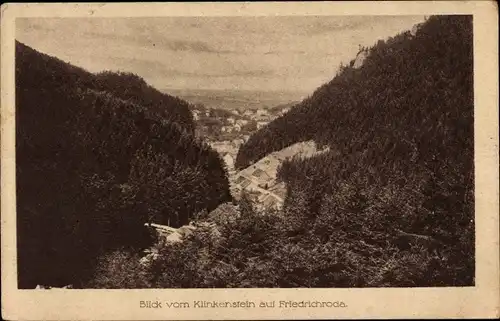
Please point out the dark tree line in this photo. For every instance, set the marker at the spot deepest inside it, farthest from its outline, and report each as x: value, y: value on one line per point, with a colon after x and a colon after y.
x: 97, y: 157
x: 133, y: 88
x: 400, y: 132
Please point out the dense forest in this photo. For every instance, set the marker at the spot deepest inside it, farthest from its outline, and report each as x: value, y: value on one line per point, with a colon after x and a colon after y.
x: 98, y: 155
x: 391, y: 203
x: 400, y: 130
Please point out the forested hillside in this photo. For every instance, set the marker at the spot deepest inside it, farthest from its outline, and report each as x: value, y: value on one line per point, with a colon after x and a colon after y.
x: 133, y: 88
x: 400, y: 129
x: 415, y: 86
x: 97, y: 157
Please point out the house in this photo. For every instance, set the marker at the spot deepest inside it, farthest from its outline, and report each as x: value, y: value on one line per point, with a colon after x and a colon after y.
x: 254, y: 197
x: 279, y: 186
x: 264, y: 185
x: 242, y: 182
x: 279, y: 190
x: 262, y: 112
x: 228, y: 159
x: 261, y: 175
x: 239, y: 180
x: 186, y: 230
x: 280, y: 157
x: 262, y: 197
x: 222, y: 147
x: 174, y: 237
x: 265, y: 118
x: 242, y: 122
x: 270, y: 202
x: 235, y: 190
x: 161, y: 228
x: 261, y: 124
x: 237, y: 142
x: 245, y: 183
x: 285, y: 110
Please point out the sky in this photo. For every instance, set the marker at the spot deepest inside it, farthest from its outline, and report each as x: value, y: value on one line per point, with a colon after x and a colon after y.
x: 271, y: 53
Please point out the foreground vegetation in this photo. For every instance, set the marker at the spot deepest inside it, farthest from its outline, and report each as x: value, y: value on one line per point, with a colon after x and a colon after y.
x: 391, y: 204
x: 246, y: 248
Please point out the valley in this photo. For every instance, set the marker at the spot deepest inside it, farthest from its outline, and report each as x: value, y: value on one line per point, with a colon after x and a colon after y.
x: 226, y: 128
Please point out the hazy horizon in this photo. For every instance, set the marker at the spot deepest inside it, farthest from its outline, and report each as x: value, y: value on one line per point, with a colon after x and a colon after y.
x: 284, y: 53
x: 238, y: 98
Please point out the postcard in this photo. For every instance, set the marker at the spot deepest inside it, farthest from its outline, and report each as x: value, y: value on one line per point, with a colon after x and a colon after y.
x: 270, y: 160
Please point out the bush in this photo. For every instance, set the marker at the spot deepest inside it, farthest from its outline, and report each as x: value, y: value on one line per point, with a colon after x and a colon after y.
x: 120, y: 269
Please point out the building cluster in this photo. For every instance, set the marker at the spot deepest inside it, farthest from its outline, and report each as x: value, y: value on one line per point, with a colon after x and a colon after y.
x: 259, y: 182
x: 226, y: 131
x: 167, y: 234
x: 232, y: 123
x: 228, y: 149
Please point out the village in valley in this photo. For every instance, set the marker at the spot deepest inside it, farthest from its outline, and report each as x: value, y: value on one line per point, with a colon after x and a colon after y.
x: 258, y: 181
x: 226, y: 130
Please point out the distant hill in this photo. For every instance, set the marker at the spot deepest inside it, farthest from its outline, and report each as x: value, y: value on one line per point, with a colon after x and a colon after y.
x: 97, y: 157
x: 237, y: 99
x: 399, y: 124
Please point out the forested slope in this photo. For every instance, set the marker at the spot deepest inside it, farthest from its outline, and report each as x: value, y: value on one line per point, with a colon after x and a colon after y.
x: 400, y: 131
x: 97, y: 157
x: 407, y: 85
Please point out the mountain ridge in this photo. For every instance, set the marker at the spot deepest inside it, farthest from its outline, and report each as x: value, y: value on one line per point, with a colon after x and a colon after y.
x: 97, y: 157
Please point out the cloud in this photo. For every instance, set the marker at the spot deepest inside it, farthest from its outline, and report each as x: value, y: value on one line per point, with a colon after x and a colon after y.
x: 278, y: 52
x: 268, y: 53
x: 352, y: 23
x: 186, y: 45
x: 161, y: 68
x: 159, y: 42
x: 125, y: 31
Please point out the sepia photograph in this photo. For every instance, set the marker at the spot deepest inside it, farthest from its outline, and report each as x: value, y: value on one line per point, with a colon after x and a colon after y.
x: 232, y: 152
x: 332, y: 151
